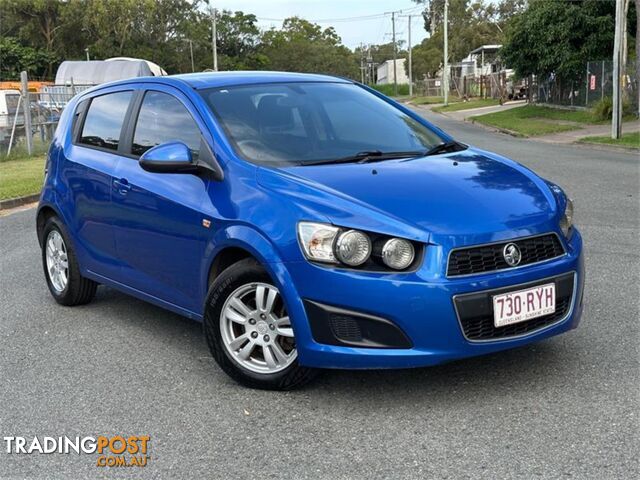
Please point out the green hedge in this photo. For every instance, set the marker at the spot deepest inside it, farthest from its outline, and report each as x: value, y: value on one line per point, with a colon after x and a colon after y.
x: 387, y: 89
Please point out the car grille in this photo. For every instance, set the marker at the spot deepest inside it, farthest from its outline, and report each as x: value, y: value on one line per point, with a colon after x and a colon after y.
x: 475, y: 311
x: 488, y: 258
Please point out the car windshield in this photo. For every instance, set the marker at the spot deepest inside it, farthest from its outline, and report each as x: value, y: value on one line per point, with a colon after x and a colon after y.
x: 308, y: 123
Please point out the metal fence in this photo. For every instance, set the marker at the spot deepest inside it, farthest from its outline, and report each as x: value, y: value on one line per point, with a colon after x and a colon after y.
x: 595, y: 84
x: 429, y: 87
x: 39, y: 110
x: 494, y: 85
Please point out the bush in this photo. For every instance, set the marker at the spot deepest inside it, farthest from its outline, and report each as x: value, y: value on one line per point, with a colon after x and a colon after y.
x: 387, y: 89
x: 602, y: 110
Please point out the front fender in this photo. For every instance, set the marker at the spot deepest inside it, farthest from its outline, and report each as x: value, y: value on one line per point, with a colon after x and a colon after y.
x: 249, y: 239
x: 238, y: 236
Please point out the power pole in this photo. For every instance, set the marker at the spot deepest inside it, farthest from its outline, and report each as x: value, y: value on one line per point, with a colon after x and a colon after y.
x: 193, y: 67
x: 410, y: 58
x: 445, y: 73
x: 369, y: 66
x: 214, y: 39
x: 638, y: 50
x: 410, y: 65
x: 395, y: 77
x: 616, y: 118
x: 26, y: 104
x: 361, y: 62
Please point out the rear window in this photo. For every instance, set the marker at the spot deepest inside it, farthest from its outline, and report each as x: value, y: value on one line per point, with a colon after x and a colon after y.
x: 104, y: 120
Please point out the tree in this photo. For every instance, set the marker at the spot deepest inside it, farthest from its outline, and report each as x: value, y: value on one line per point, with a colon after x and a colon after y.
x: 302, y: 46
x: 39, y: 34
x: 238, y: 40
x: 15, y: 58
x: 559, y: 37
x: 383, y: 52
x: 38, y: 23
x: 471, y: 25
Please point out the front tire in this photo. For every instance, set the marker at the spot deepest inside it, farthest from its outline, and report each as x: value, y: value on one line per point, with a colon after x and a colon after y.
x: 61, y: 269
x: 248, y: 331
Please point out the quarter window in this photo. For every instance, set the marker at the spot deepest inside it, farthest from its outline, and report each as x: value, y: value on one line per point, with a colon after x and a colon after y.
x: 104, y: 120
x: 163, y: 118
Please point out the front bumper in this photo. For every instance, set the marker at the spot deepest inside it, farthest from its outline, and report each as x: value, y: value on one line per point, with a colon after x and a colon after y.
x: 420, y: 305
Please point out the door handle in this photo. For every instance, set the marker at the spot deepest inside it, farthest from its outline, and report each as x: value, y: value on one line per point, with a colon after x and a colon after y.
x: 122, y: 185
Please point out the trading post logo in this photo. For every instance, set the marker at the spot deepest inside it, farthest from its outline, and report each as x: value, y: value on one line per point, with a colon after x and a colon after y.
x: 114, y: 451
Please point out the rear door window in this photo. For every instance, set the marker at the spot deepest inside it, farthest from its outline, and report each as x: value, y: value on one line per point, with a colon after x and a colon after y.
x: 163, y: 118
x: 104, y: 120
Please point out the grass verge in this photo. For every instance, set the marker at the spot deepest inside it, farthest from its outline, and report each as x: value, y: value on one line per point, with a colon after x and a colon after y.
x: 629, y: 140
x: 532, y: 120
x: 433, y: 100
x: 21, y: 176
x: 457, y: 106
x: 19, y: 151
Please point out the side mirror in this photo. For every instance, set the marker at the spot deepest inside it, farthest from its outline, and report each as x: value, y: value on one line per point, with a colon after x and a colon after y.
x: 170, y: 157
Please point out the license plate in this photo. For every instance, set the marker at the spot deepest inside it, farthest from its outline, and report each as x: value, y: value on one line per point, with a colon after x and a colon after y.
x: 523, y: 305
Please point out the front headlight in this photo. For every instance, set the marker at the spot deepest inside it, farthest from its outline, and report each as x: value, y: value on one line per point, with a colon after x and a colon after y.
x: 567, y: 218
x: 398, y: 253
x: 321, y: 242
x: 316, y: 240
x: 353, y: 248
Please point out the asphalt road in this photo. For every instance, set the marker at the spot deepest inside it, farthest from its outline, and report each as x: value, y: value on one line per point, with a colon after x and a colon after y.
x: 564, y: 408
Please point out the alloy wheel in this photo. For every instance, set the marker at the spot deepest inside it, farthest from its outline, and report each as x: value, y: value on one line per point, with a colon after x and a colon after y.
x: 57, y: 261
x: 256, y: 330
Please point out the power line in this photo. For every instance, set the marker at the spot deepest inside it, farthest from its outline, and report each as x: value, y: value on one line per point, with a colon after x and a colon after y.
x: 373, y: 16
x: 381, y: 34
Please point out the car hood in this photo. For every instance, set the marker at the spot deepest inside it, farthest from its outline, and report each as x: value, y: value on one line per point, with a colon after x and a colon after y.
x: 469, y: 192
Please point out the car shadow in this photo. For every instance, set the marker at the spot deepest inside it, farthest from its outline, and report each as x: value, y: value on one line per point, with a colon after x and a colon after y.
x: 492, y: 375
x: 510, y: 369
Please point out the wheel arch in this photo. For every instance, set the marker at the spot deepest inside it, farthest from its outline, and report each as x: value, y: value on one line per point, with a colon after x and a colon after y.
x: 224, y: 259
x: 45, y: 212
x: 236, y: 243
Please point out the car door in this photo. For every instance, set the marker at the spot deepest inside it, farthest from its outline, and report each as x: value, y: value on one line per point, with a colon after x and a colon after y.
x: 86, y: 175
x: 159, y: 229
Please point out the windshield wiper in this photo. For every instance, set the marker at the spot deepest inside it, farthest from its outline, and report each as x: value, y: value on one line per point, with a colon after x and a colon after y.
x: 369, y: 156
x: 451, y: 146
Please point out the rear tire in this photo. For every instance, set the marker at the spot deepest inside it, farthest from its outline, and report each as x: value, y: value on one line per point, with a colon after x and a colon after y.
x: 248, y: 330
x: 61, y: 269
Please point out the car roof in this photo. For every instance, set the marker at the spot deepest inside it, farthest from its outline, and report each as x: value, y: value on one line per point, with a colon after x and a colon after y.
x: 203, y: 80
x: 226, y: 79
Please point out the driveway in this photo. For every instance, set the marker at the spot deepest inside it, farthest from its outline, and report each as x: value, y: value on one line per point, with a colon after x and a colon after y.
x: 564, y: 408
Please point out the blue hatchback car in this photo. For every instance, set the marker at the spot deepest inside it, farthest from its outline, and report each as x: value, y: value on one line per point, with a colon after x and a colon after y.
x: 308, y: 221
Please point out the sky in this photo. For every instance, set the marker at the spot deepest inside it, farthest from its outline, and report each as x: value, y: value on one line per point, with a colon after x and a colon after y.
x: 375, y: 28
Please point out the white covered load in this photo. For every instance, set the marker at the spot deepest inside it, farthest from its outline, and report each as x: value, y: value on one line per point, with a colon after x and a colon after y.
x: 95, y: 72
